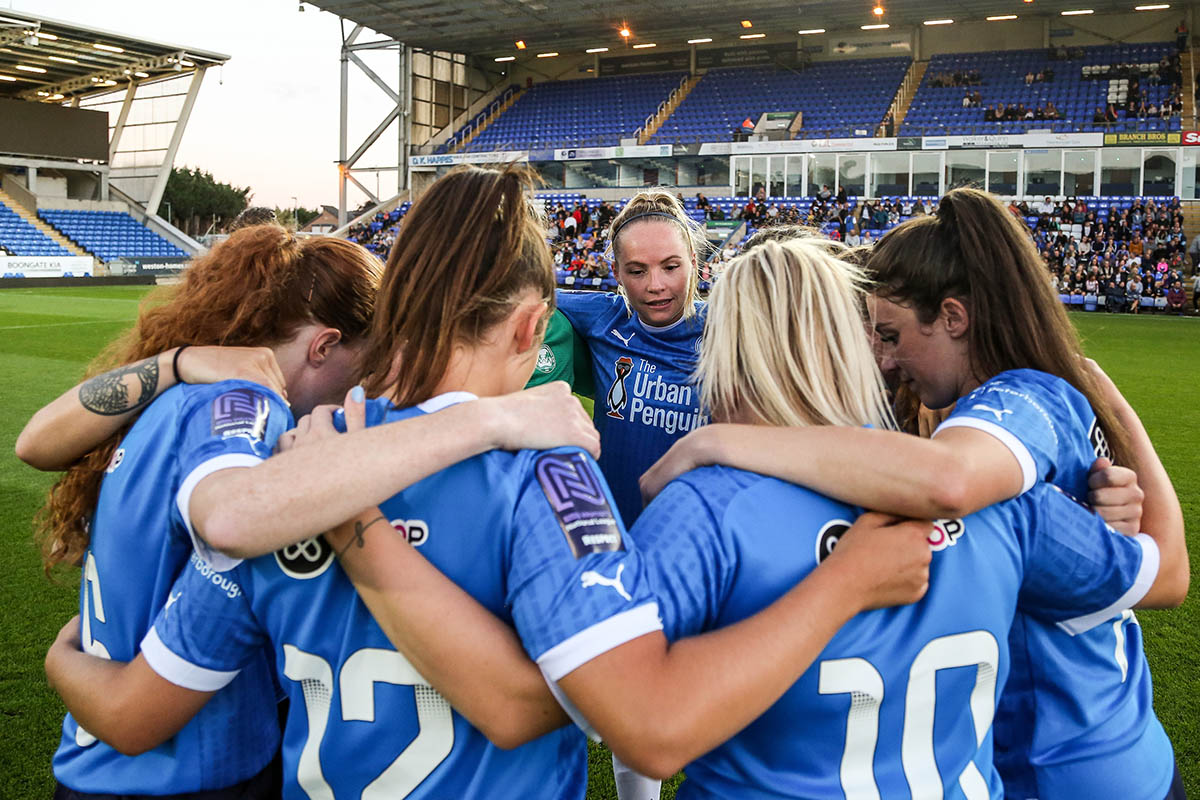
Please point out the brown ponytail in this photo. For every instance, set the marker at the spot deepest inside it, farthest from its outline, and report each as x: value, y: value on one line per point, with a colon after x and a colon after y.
x: 468, y: 247
x: 975, y: 250
x: 256, y: 288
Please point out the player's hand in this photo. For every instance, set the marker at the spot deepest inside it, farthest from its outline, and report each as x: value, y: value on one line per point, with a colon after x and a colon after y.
x: 68, y: 635
x: 696, y: 449
x: 1114, y: 494
x: 212, y: 364
x: 886, y: 557
x: 540, y: 418
x: 316, y: 426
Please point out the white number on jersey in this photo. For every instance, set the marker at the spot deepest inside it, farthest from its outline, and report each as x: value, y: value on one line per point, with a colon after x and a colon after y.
x: 859, y: 678
x: 93, y: 604
x: 362, y: 670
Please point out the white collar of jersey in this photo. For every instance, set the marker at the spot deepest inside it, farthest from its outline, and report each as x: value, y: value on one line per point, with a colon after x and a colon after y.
x: 445, y: 400
x: 657, y: 328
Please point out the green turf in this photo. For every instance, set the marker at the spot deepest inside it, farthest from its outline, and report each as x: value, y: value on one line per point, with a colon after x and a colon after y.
x: 48, y: 335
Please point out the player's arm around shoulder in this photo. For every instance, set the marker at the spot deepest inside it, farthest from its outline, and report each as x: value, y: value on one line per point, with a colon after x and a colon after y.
x: 660, y: 705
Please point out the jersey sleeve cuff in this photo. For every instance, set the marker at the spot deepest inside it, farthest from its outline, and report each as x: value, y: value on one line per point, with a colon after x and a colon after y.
x: 183, y: 498
x: 566, y: 656
x: 1014, y: 445
x: 1147, y: 572
x: 180, y: 672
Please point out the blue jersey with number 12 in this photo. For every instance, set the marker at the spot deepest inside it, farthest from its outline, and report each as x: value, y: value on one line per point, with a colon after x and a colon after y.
x: 1077, y: 716
x: 645, y: 398
x: 362, y: 721
x: 900, y: 702
x: 139, y: 545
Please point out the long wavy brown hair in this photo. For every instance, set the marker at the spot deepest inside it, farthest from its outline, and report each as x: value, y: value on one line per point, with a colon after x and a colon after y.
x: 468, y: 247
x: 257, y: 288
x: 975, y: 250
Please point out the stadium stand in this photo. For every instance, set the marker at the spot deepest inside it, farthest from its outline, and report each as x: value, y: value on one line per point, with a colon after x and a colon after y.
x: 379, y: 234
x: 838, y: 99
x: 109, y: 235
x: 19, y: 238
x: 1086, y: 81
x: 495, y: 107
x: 600, y: 111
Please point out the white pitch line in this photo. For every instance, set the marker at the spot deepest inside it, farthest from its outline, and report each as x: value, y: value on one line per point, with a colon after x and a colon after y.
x: 60, y: 324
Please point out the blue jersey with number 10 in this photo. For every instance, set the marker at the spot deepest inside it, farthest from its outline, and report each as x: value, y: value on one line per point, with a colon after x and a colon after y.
x: 645, y: 398
x: 509, y: 528
x: 1077, y: 716
x: 900, y: 702
x: 139, y: 545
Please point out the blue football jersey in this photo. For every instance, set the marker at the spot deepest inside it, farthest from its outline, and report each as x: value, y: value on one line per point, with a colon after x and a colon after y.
x: 528, y: 534
x: 645, y: 398
x: 1077, y: 716
x: 900, y: 702
x: 140, y: 542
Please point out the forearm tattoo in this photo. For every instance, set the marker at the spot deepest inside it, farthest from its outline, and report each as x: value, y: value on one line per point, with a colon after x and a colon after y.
x: 108, y: 395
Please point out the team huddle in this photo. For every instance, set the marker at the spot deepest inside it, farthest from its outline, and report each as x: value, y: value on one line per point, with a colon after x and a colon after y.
x: 332, y: 547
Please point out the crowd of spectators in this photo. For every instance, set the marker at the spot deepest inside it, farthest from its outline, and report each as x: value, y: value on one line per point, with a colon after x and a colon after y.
x: 1017, y: 112
x: 379, y: 234
x: 1137, y: 252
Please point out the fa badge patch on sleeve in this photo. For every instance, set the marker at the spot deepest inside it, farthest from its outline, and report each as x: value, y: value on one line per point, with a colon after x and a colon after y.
x: 241, y: 412
x: 579, y: 503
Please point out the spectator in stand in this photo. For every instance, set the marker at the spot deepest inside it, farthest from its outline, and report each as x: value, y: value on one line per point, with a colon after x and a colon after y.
x: 1176, y: 298
x: 825, y: 195
x: 703, y: 204
x: 605, y: 214
x: 1115, y: 294
x: 1110, y: 113
x: 1133, y: 291
x: 1099, y: 117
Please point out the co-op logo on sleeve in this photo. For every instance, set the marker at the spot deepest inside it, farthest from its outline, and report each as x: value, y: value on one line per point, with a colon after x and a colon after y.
x: 650, y: 399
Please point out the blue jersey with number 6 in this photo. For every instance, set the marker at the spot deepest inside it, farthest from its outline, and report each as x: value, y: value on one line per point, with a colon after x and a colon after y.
x: 900, y: 702
x: 518, y: 531
x: 1077, y: 716
x: 139, y: 544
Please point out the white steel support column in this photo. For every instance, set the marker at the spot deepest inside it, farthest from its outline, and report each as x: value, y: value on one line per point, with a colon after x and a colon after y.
x: 115, y: 141
x: 400, y: 99
x: 164, y: 171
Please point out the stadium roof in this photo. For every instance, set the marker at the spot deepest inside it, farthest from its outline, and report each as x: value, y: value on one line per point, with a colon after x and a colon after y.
x: 52, y: 61
x: 491, y: 27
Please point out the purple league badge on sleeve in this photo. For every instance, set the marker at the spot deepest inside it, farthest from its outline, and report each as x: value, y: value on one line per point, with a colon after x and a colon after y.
x: 240, y: 412
x: 582, y: 509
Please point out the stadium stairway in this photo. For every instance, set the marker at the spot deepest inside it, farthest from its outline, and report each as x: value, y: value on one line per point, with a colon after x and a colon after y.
x: 908, y: 90
x: 49, y: 231
x: 466, y: 140
x: 667, y: 109
x: 1187, y: 66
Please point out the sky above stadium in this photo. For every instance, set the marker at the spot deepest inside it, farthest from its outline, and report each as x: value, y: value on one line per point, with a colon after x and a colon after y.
x: 268, y: 119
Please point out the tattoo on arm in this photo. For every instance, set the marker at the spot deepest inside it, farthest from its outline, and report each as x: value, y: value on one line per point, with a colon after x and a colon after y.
x: 108, y: 395
x: 359, y: 529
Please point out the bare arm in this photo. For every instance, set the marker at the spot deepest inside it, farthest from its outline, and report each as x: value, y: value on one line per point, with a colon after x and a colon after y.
x: 659, y: 706
x: 85, y: 415
x: 246, y: 512
x: 461, y: 648
x: 124, y: 704
x: 961, y: 471
x: 1162, y: 517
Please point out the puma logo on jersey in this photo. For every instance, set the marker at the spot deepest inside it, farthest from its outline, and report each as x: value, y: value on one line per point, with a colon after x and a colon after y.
x: 624, y: 340
x: 171, y: 601
x: 593, y: 578
x: 999, y: 412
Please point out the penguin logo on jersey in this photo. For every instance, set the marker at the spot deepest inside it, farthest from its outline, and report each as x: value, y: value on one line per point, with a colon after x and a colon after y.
x: 305, y: 560
x: 115, y: 461
x: 827, y: 539
x: 545, y: 360
x: 1099, y: 441
x: 618, y: 397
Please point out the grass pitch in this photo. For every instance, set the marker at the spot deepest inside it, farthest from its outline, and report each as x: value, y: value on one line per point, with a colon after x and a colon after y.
x: 47, y: 336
